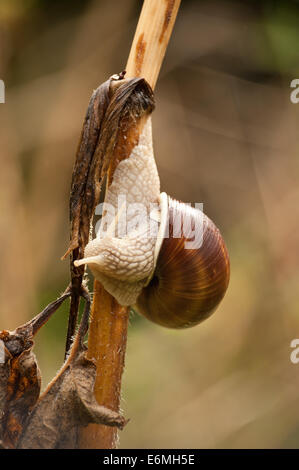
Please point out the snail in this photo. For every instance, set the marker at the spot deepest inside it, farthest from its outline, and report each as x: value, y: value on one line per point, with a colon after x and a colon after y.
x: 176, y: 273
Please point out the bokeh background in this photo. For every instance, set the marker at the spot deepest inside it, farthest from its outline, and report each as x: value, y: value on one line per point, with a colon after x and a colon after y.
x: 225, y: 134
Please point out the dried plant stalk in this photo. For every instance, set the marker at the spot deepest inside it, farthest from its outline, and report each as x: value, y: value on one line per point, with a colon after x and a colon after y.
x: 130, y: 105
x: 107, y: 344
x: 108, y: 328
x: 151, y: 38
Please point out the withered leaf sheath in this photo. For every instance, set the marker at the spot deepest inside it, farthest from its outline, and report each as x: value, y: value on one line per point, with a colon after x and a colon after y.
x: 112, y: 102
x: 114, y: 106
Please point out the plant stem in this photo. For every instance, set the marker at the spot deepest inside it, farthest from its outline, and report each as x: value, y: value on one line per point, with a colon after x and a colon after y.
x: 107, y: 345
x: 108, y: 328
x: 151, y: 38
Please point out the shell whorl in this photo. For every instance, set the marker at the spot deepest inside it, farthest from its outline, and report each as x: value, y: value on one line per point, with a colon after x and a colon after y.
x: 187, y: 284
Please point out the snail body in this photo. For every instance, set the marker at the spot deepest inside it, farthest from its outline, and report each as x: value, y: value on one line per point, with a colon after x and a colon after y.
x: 164, y: 276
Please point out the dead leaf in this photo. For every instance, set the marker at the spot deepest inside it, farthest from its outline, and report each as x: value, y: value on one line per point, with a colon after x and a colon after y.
x: 19, y: 384
x: 68, y: 403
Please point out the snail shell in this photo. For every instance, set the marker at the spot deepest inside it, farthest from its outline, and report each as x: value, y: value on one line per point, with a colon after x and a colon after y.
x: 187, y: 284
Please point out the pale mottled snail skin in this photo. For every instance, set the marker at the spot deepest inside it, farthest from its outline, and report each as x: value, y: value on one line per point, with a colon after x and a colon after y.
x: 123, y: 265
x: 172, y: 286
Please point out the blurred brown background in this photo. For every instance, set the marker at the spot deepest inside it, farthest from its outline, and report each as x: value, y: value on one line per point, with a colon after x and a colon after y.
x: 225, y: 134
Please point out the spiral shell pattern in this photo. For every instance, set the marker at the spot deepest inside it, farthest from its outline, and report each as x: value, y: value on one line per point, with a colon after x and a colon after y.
x: 187, y: 284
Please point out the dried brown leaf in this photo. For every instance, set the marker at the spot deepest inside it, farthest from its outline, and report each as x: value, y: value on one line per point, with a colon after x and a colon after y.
x: 20, y: 376
x: 19, y: 384
x: 68, y: 403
